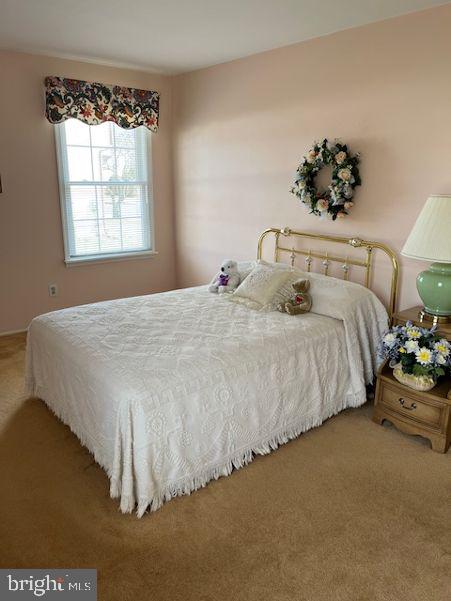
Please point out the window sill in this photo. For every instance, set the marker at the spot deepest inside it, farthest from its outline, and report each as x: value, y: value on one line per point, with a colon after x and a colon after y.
x: 109, y: 258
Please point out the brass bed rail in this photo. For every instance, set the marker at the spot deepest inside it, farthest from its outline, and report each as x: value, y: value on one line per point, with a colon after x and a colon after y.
x: 327, y: 258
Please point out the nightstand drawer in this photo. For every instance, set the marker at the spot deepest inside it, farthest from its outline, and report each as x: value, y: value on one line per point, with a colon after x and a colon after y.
x: 411, y: 407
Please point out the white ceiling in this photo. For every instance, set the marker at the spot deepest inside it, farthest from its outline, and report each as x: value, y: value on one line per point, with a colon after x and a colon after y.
x: 172, y: 36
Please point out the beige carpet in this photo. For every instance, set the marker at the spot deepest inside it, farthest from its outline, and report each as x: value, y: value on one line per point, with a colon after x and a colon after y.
x: 349, y: 511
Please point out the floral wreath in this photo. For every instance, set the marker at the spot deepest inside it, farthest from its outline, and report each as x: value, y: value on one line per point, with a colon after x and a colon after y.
x: 336, y: 200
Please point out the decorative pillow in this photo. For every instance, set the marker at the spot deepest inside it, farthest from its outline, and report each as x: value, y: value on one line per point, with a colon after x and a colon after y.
x: 258, y: 289
x: 285, y: 291
x: 244, y: 268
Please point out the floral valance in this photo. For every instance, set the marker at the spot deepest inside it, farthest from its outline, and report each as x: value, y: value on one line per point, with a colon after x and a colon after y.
x: 94, y: 103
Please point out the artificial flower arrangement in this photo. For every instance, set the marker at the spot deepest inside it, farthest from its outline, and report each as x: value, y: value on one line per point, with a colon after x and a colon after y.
x: 418, y: 356
x: 334, y: 202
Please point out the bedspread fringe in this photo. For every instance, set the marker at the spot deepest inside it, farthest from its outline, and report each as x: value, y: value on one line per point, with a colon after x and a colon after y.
x: 33, y: 390
x: 186, y: 486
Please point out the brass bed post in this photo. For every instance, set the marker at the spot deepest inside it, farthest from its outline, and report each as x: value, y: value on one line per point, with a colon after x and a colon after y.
x: 368, y: 267
x: 276, y: 248
x: 394, y: 277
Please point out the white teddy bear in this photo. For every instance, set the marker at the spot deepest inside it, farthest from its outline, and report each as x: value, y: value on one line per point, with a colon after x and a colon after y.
x: 226, y: 280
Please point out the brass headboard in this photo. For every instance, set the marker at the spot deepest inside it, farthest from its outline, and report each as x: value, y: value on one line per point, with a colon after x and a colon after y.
x: 327, y: 258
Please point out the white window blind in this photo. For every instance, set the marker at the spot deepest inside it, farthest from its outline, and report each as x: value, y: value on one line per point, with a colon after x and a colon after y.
x: 105, y: 190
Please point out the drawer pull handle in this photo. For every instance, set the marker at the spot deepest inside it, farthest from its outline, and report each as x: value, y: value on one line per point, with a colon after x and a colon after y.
x: 402, y: 403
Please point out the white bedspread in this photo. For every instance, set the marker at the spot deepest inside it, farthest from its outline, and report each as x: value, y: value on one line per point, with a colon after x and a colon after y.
x: 171, y: 390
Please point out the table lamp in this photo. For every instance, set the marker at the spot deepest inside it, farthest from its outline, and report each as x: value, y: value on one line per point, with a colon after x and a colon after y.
x: 430, y: 240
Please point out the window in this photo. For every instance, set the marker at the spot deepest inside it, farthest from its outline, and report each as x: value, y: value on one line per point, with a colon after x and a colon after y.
x: 105, y: 192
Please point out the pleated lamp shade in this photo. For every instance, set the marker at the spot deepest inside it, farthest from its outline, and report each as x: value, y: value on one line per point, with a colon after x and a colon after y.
x: 430, y: 238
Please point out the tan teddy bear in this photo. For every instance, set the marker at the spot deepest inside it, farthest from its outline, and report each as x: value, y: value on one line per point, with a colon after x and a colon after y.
x: 301, y: 302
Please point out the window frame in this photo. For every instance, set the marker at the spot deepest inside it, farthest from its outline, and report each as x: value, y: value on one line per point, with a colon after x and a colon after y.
x: 61, y: 158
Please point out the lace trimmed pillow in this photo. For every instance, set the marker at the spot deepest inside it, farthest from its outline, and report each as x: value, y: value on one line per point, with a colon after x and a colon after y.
x: 285, y: 291
x: 244, y: 268
x: 260, y: 287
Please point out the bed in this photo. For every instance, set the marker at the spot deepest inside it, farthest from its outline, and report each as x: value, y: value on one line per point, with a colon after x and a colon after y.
x: 169, y: 391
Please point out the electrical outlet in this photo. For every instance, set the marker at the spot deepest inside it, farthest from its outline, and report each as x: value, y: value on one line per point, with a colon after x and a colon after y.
x: 53, y: 290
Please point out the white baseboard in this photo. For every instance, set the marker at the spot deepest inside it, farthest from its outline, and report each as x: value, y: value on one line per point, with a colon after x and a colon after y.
x: 12, y: 332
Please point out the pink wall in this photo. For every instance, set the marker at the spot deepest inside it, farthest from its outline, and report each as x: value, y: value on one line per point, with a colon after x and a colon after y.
x: 239, y: 132
x: 242, y: 127
x: 31, y: 245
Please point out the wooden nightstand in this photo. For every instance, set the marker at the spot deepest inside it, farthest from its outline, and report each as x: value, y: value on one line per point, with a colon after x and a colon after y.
x: 427, y: 414
x: 444, y: 329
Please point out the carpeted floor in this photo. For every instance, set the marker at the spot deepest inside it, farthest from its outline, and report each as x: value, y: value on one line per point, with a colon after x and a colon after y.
x: 349, y: 511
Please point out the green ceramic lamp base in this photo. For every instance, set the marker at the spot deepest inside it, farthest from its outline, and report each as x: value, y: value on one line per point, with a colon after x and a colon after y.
x: 434, y: 288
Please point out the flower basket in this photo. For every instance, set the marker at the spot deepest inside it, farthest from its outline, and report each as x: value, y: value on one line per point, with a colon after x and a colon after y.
x: 418, y: 356
x: 420, y: 383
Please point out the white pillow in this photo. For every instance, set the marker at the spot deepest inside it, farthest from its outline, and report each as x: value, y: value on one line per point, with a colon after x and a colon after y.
x: 324, y: 288
x: 260, y: 286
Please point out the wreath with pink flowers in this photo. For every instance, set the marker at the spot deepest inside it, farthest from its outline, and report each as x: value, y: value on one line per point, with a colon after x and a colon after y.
x: 337, y: 199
